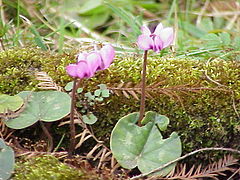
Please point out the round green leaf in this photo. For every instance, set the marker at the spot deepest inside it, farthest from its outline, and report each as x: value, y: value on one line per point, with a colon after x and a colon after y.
x: 100, y: 99
x: 79, y: 90
x: 144, y: 147
x: 7, y: 161
x: 12, y: 103
x: 89, y: 96
x: 97, y: 92
x: 2, y: 144
x: 102, y: 86
x: 105, y: 93
x: 45, y: 106
x: 69, y: 86
x: 89, y: 119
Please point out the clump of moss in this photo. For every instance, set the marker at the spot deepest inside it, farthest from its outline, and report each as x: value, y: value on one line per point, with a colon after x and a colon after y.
x: 206, y: 117
x: 16, y: 70
x: 203, y: 118
x: 45, y: 168
x: 18, y: 65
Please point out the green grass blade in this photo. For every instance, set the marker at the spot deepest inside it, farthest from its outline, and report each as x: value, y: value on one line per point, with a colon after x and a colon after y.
x: 37, y: 38
x: 126, y: 17
x: 61, y: 35
x: 172, y: 9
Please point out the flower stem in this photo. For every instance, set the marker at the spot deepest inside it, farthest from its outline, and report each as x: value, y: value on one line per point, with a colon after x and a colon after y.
x: 72, y: 126
x: 143, y: 88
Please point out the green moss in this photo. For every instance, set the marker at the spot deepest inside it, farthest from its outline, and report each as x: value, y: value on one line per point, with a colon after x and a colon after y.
x: 45, y: 168
x: 17, y: 67
x: 203, y: 118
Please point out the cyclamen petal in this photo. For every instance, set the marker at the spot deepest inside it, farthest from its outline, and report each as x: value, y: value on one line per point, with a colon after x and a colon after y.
x: 145, y: 42
x: 79, y: 70
x: 72, y: 70
x: 158, y: 44
x: 81, y: 56
x: 94, y: 62
x: 166, y: 36
x: 89, y: 63
x: 107, y: 54
x: 83, y: 70
x: 158, y: 40
x: 145, y: 30
x: 158, y: 29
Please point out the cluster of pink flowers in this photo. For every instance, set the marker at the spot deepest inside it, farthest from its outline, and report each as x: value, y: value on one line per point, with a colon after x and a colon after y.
x: 89, y: 63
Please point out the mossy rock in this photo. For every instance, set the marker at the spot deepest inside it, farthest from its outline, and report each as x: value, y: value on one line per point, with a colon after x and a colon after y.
x: 18, y: 66
x: 206, y: 116
x: 45, y: 168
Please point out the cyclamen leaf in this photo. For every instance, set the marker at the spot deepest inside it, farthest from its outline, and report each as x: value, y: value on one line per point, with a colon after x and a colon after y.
x: 105, y: 93
x: 89, y: 119
x: 79, y: 90
x: 89, y: 96
x: 69, y: 86
x: 97, y: 92
x: 144, y: 147
x: 100, y: 99
x: 45, y: 106
x: 102, y: 86
x: 160, y: 120
x: 7, y: 161
x: 11, y: 103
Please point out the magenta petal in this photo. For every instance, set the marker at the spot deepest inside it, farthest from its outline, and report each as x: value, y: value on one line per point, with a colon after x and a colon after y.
x: 145, y: 42
x: 158, y: 44
x: 167, y: 36
x: 94, y: 62
x: 158, y: 29
x: 145, y: 30
x: 81, y: 56
x: 107, y: 54
x: 72, y: 70
x: 83, y: 70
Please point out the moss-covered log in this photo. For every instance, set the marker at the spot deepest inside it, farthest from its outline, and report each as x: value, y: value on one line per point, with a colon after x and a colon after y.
x: 201, y: 99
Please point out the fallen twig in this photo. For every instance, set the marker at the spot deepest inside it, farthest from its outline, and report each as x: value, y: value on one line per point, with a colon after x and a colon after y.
x: 183, y: 157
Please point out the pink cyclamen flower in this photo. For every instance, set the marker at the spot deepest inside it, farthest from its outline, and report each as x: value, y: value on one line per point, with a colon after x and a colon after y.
x: 89, y: 63
x: 157, y: 40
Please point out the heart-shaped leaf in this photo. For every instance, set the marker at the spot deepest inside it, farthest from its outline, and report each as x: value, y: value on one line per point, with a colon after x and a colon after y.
x: 11, y: 103
x: 45, y: 106
x: 144, y: 147
x: 6, y: 161
x: 160, y: 120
